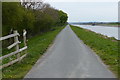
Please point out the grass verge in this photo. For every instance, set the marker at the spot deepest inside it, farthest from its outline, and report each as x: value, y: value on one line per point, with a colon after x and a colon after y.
x: 37, y: 45
x: 106, y: 48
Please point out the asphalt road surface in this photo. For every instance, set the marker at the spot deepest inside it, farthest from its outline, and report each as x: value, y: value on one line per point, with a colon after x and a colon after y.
x: 69, y: 57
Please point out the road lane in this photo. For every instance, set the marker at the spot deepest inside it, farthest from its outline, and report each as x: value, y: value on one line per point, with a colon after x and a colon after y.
x: 69, y: 57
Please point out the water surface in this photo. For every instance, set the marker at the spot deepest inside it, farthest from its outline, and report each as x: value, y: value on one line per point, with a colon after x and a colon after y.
x: 104, y: 30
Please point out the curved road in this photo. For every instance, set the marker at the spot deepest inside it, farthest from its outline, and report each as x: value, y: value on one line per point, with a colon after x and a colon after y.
x: 69, y: 57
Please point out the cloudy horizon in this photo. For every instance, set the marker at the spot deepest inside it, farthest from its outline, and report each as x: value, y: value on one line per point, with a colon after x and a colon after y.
x: 86, y: 10
x: 89, y: 11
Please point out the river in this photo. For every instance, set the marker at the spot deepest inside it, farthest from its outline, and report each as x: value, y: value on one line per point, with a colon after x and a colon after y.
x: 104, y: 30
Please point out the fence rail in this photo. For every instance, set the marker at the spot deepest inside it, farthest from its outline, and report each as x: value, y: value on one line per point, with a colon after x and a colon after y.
x: 17, y: 49
x: 9, y: 36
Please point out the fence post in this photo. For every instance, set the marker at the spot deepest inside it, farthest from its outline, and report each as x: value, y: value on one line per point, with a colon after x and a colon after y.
x: 24, y: 39
x: 17, y: 46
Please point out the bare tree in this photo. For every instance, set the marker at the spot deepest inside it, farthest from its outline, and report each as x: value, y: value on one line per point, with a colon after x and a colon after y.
x: 32, y: 4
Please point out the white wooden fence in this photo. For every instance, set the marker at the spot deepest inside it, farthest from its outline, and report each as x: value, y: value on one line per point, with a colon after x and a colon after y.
x: 16, y: 45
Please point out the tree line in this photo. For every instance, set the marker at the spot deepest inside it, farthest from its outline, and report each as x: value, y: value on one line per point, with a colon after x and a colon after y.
x: 35, y: 17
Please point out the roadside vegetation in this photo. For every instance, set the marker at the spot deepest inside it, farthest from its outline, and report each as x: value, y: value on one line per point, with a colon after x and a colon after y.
x: 37, y: 45
x: 35, y: 17
x: 42, y: 23
x: 106, y: 48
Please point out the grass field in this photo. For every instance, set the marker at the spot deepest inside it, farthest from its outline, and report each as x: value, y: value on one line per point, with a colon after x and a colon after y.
x: 106, y: 48
x: 37, y: 45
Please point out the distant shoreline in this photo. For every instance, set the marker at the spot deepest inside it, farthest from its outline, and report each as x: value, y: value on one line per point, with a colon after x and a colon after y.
x: 108, y: 25
x: 105, y: 25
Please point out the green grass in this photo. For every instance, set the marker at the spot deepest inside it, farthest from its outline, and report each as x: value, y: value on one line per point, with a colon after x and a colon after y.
x: 106, y: 48
x: 37, y: 45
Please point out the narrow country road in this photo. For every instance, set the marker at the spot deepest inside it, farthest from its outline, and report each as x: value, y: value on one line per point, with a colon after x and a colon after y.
x: 69, y: 57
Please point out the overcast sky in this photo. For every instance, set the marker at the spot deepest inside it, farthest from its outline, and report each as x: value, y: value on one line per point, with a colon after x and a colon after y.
x: 85, y: 11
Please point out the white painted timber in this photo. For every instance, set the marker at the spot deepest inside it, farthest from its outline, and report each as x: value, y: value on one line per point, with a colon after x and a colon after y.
x: 9, y: 36
x: 14, y: 44
x: 13, y: 53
